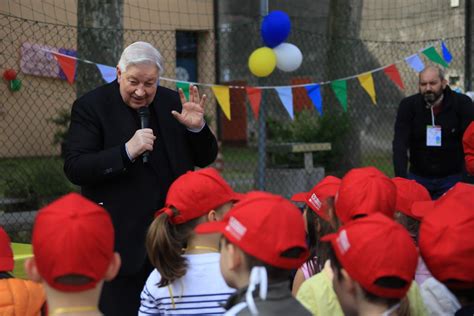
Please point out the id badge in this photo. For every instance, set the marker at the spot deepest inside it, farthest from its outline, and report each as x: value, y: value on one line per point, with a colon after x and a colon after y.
x: 433, y: 136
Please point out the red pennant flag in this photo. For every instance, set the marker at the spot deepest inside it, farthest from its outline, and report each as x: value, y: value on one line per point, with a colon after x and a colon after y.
x: 255, y: 97
x: 392, y: 72
x: 68, y: 66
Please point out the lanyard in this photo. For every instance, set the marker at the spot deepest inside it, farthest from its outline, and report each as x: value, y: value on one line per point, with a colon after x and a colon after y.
x: 432, y: 117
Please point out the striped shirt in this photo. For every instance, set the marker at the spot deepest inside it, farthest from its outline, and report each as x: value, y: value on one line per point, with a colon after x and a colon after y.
x: 202, y: 291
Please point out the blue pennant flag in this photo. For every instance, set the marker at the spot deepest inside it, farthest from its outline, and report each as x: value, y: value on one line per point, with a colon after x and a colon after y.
x: 314, y: 93
x: 286, y: 97
x: 415, y: 62
x: 108, y: 73
x: 446, y: 54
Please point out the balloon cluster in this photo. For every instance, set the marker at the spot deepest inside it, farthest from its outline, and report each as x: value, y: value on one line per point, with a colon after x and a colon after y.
x: 285, y: 56
x: 10, y: 76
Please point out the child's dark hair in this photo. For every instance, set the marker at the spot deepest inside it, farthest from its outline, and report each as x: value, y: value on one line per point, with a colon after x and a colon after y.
x: 165, y: 242
x: 317, y: 249
x: 412, y: 225
x: 464, y: 296
x: 387, y: 282
x: 274, y: 274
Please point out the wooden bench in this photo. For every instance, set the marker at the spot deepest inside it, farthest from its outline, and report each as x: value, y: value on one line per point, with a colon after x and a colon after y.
x: 306, y: 148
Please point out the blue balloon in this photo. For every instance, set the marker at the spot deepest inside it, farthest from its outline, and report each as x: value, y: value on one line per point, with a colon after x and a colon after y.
x: 275, y: 28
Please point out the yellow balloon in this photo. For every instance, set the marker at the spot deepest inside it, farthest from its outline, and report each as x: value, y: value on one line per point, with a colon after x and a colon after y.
x: 262, y: 61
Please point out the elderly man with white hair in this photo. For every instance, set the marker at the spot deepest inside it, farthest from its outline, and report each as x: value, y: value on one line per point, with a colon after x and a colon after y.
x: 127, y: 142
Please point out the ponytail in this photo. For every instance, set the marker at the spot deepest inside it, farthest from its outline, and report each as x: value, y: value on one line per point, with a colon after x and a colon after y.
x: 164, y: 243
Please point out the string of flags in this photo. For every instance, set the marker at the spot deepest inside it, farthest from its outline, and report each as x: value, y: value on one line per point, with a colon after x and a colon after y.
x: 254, y: 93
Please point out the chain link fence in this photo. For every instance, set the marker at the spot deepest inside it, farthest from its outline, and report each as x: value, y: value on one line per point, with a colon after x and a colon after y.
x: 209, y: 42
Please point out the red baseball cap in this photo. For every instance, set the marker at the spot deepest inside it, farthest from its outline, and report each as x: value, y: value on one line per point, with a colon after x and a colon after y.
x: 195, y: 193
x: 6, y: 254
x: 408, y: 192
x: 468, y: 144
x: 264, y: 226
x: 446, y: 236
x: 73, y: 236
x: 375, y: 247
x: 316, y: 198
x: 365, y: 191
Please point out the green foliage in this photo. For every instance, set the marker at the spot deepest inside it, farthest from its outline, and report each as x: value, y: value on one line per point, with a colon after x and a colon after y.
x: 309, y: 127
x: 36, y: 181
x: 61, y: 120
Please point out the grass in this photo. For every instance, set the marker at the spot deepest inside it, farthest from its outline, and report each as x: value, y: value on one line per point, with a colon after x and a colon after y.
x: 381, y: 162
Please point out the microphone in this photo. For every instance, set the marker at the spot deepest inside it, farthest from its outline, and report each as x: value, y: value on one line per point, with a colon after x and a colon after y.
x: 144, y: 115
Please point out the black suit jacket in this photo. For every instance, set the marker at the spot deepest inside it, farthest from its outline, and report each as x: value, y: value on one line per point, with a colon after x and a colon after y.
x: 95, y: 159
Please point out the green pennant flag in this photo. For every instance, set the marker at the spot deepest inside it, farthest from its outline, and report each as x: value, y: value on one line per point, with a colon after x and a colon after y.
x: 185, y: 87
x: 340, y: 90
x: 433, y: 55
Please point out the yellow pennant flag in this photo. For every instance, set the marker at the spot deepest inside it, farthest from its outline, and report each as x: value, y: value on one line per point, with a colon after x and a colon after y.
x: 223, y: 98
x: 367, y: 82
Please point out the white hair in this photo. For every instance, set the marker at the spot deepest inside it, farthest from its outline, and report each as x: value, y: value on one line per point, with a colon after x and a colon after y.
x: 140, y: 53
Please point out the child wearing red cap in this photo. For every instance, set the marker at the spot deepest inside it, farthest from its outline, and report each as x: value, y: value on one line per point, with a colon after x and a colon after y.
x: 73, y: 248
x: 447, y: 246
x: 187, y: 277
x: 318, y: 214
x: 263, y: 238
x: 362, y: 192
x: 374, y: 263
x: 468, y: 143
x: 17, y: 297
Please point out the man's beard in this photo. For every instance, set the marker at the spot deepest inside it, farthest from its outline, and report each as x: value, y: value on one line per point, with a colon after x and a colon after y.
x: 431, y: 97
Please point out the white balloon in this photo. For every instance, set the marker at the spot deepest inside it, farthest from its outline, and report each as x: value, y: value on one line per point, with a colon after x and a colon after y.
x: 289, y: 57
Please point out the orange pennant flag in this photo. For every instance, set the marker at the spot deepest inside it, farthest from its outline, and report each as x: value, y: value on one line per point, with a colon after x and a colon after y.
x: 255, y: 97
x: 393, y: 73
x: 68, y: 66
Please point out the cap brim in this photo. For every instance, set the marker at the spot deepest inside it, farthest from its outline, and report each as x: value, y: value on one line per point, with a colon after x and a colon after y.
x: 421, y: 208
x: 211, y: 227
x: 329, y: 237
x: 238, y: 196
x: 299, y: 197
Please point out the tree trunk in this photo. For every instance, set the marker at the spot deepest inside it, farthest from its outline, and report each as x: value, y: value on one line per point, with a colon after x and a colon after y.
x: 99, y: 39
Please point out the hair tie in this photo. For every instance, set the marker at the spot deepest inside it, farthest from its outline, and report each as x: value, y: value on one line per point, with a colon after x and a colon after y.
x: 166, y: 210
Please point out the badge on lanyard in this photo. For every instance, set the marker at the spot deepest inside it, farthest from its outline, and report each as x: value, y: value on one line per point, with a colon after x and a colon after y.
x: 433, y: 136
x: 433, y: 133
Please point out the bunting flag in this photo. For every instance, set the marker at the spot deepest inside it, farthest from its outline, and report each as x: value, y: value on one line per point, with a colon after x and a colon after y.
x: 68, y: 66
x: 314, y: 93
x: 393, y: 73
x: 223, y: 98
x: 255, y: 97
x: 185, y: 87
x: 367, y: 82
x: 108, y: 73
x: 286, y: 97
x: 433, y: 55
x: 415, y: 62
x: 67, y: 60
x: 446, y: 53
x: 340, y: 90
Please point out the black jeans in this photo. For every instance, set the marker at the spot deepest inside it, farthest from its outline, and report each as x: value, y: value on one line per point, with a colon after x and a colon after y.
x: 121, y: 296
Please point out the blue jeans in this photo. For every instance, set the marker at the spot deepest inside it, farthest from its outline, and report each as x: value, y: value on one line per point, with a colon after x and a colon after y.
x: 436, y: 186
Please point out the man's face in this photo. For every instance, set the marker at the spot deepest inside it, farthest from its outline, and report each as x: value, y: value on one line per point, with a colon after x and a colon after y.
x: 431, y: 86
x: 138, y: 84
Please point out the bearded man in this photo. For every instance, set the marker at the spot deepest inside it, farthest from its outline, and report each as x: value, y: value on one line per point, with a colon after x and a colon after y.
x: 428, y: 133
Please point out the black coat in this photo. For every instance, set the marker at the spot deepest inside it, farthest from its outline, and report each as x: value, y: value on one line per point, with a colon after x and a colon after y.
x: 410, y: 135
x: 95, y: 159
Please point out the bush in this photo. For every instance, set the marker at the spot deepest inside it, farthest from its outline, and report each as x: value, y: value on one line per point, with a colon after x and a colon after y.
x: 37, y: 181
x: 309, y: 127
